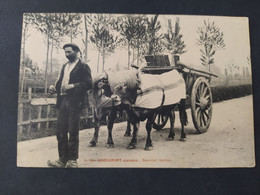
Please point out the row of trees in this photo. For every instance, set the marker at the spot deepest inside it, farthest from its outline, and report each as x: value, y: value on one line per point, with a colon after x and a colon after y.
x: 140, y: 34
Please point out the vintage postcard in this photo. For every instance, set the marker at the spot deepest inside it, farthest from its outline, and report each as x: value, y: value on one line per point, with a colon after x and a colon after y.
x: 135, y: 91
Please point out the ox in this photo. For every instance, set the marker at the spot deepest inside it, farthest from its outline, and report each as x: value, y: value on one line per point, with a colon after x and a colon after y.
x: 147, y: 95
x: 104, y: 105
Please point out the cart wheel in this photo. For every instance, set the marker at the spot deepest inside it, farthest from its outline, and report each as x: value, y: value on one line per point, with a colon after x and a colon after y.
x: 201, y: 104
x: 160, y: 121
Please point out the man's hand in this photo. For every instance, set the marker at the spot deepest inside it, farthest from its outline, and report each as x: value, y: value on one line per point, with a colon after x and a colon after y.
x: 52, y: 89
x: 67, y: 87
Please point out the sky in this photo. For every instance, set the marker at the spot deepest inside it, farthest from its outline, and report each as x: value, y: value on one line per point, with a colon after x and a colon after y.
x: 236, y: 38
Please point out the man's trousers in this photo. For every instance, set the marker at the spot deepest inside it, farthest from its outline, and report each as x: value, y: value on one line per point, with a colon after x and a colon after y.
x: 68, y: 123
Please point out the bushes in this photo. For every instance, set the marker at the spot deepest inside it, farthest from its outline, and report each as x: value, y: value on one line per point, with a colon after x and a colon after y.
x: 221, y: 93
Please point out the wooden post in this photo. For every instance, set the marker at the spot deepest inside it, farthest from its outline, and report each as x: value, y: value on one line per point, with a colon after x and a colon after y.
x: 20, y: 118
x: 48, y: 113
x: 176, y: 59
x: 29, y: 93
x: 30, y: 109
x: 39, y: 116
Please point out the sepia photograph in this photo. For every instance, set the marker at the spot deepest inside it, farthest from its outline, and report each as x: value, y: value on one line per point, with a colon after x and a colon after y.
x: 103, y: 90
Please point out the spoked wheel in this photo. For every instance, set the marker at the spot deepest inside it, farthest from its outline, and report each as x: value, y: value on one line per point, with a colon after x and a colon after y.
x: 201, y: 105
x: 160, y: 121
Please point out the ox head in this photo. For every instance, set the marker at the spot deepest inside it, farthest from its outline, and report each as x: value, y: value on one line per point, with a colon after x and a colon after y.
x: 100, y: 83
x: 126, y: 87
x: 125, y: 93
x: 101, y: 95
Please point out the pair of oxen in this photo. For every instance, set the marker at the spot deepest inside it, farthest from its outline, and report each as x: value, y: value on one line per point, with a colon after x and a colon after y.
x: 118, y: 91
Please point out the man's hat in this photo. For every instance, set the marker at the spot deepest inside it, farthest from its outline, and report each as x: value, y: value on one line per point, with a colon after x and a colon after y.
x: 74, y: 46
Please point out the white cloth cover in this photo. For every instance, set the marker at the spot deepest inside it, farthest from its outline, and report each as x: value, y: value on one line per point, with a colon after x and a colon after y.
x: 171, y: 84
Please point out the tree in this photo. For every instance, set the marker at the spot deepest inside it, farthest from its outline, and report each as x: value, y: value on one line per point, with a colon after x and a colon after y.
x: 232, y: 69
x: 173, y: 39
x: 132, y: 29
x: 212, y: 39
x: 139, y: 35
x: 55, y: 68
x: 31, y: 69
x: 102, y: 37
x: 55, y: 40
x: 53, y: 27
x: 151, y: 31
x: 44, y: 23
x: 231, y: 72
x: 27, y: 21
x: 152, y: 41
x: 71, y: 25
x: 87, y: 19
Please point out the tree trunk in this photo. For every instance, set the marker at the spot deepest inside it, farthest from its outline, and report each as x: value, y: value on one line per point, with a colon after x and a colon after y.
x: 98, y: 61
x: 71, y: 32
x: 129, y: 53
x: 207, y: 52
x: 151, y: 43
x: 133, y: 56
x: 103, y: 55
x: 25, y: 83
x: 50, y: 78
x: 86, y: 39
x: 23, y: 60
x: 138, y: 52
x: 46, y: 67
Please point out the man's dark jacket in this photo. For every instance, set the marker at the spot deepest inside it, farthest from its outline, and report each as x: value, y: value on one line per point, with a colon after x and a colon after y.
x: 80, y: 76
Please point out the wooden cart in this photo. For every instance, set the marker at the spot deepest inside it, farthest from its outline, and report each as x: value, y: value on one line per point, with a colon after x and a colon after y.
x: 198, y: 92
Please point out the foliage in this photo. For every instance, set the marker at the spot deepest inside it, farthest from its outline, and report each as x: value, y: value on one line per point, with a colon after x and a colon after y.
x: 27, y: 21
x: 104, y: 40
x: 133, y: 30
x: 141, y: 34
x: 231, y: 68
x: 70, y: 25
x: 27, y: 63
x: 221, y: 93
x: 153, y: 39
x: 212, y: 39
x: 53, y: 26
x: 173, y: 39
x: 102, y: 35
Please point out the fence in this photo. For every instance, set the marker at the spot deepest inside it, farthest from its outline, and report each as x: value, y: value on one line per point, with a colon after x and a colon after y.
x: 38, y: 111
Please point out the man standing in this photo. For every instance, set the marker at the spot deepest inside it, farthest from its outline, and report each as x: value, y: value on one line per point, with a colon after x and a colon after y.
x: 73, y: 82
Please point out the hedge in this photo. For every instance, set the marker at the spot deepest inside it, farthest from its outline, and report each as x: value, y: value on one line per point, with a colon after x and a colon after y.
x: 221, y: 93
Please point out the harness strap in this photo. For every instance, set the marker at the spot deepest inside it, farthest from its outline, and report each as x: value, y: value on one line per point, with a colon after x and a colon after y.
x: 163, y: 98
x: 113, y: 102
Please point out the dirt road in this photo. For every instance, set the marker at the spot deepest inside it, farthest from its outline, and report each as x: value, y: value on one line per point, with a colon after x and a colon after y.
x: 229, y: 142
